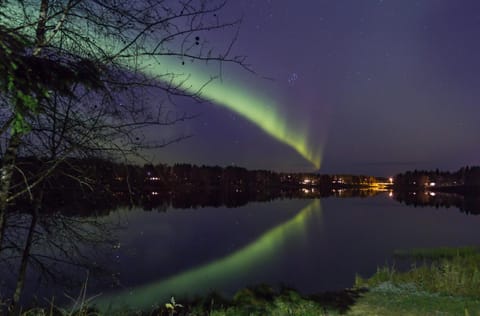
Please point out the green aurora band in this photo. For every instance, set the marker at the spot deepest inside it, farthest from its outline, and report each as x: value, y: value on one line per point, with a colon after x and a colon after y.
x: 248, y: 104
x: 243, y: 101
x: 239, y: 264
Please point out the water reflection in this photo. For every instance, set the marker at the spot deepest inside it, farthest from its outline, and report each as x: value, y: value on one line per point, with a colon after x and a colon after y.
x: 161, y: 201
x: 84, y: 204
x: 70, y: 239
x: 41, y: 250
x: 220, y: 272
x: 468, y: 203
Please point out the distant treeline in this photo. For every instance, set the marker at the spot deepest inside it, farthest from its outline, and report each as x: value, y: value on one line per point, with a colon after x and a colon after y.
x: 89, y: 186
x: 78, y: 185
x: 103, y: 175
x: 466, y: 180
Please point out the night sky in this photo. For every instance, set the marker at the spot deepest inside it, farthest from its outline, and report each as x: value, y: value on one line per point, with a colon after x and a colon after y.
x: 375, y: 87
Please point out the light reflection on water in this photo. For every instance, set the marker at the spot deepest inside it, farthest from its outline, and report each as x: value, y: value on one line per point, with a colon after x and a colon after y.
x: 313, y: 248
x: 240, y: 264
x: 310, y: 245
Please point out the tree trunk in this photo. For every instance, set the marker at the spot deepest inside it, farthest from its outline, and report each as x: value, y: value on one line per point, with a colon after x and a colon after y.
x: 8, y: 163
x: 22, y: 272
x: 6, y: 173
x: 41, y: 27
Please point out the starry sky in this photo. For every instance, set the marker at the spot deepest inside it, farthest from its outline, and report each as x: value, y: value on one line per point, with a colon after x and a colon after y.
x: 376, y: 87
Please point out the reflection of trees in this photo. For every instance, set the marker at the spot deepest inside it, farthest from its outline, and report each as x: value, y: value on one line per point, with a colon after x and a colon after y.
x: 355, y: 193
x: 467, y: 203
x: 85, y: 204
x: 56, y: 248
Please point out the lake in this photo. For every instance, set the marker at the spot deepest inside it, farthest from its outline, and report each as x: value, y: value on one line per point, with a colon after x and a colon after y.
x: 311, y: 245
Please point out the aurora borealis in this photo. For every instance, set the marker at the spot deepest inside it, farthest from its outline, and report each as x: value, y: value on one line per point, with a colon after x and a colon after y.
x: 247, y: 103
x: 230, y: 94
x: 380, y: 86
x: 375, y: 87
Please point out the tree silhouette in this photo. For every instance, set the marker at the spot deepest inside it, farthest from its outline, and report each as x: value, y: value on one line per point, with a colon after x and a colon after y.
x: 72, y: 84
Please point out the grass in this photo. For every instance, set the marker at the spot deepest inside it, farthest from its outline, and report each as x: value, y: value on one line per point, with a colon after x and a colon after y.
x: 391, y: 300
x: 457, y: 275
x: 254, y: 301
x: 447, y: 282
x: 259, y: 300
x: 247, y: 303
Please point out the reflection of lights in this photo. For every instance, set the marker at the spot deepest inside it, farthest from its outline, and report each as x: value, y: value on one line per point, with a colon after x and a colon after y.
x: 432, y: 193
x: 338, y: 191
x: 390, y: 194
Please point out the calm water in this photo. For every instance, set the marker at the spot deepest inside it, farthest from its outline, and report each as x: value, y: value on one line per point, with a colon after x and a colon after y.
x: 310, y: 245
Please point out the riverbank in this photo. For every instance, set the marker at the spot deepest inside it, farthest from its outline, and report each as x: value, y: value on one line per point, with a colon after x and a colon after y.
x: 442, y: 281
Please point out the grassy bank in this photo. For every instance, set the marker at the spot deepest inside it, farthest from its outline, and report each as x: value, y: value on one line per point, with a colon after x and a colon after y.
x: 443, y: 281
x: 258, y: 300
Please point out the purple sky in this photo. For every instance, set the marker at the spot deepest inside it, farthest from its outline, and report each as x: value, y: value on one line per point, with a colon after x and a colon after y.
x: 383, y: 85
